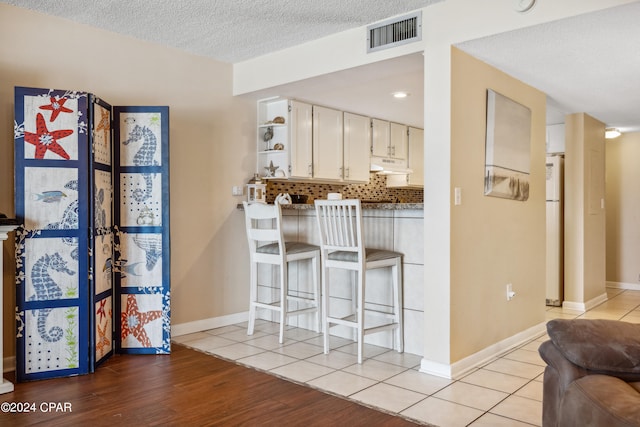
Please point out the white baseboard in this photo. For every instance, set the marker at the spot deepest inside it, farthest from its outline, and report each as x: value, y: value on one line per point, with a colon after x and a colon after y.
x: 584, y: 306
x: 623, y: 285
x: 9, y: 364
x: 206, y: 324
x: 461, y: 367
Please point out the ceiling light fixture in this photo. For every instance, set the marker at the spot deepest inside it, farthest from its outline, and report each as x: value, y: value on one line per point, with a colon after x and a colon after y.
x: 611, y: 133
x: 400, y: 94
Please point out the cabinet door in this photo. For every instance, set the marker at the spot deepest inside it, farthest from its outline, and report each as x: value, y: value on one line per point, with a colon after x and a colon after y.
x: 301, y: 140
x: 416, y: 156
x: 380, y: 138
x: 398, y: 145
x: 327, y: 143
x: 357, y: 140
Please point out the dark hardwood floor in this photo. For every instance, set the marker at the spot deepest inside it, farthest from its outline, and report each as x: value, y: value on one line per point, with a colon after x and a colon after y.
x: 186, y: 388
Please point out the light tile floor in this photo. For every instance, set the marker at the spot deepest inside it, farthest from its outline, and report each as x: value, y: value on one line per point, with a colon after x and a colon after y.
x: 506, y: 391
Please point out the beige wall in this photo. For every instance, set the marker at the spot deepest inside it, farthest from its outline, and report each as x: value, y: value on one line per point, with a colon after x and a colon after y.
x: 585, y: 247
x: 623, y: 206
x: 212, y: 145
x: 493, y: 241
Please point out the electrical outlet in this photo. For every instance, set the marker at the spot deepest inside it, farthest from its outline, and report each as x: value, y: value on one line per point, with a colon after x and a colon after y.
x: 236, y: 190
x: 510, y: 293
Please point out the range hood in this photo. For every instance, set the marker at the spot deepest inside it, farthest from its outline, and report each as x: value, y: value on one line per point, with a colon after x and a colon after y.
x: 388, y: 166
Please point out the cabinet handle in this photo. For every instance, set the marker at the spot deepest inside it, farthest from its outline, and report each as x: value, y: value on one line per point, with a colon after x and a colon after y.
x: 347, y: 173
x: 310, y: 170
x: 393, y: 150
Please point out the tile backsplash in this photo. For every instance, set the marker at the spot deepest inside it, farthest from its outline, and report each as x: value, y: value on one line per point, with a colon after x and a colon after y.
x: 376, y: 190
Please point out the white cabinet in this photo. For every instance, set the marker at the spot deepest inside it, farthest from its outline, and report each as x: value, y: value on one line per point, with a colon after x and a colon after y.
x: 389, y: 139
x: 327, y: 143
x: 301, y: 132
x: 357, y: 147
x: 398, y: 141
x: 416, y: 157
x: 380, y: 138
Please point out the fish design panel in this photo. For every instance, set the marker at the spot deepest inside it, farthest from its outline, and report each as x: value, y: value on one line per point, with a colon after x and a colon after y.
x: 51, y: 198
x: 140, y: 262
x: 103, y: 253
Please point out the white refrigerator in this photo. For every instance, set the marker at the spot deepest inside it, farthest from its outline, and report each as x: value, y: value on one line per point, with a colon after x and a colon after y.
x: 555, y: 228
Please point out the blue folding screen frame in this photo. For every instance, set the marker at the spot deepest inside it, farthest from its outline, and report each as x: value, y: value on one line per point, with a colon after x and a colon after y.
x: 76, y: 294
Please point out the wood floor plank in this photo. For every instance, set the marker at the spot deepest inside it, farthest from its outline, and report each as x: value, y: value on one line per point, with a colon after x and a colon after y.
x: 185, y: 388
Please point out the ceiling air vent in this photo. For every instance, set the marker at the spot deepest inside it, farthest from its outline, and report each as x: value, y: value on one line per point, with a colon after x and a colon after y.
x: 394, y: 32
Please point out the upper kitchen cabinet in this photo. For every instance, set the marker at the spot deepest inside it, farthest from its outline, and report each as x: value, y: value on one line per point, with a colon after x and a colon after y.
x: 308, y: 142
x: 301, y: 131
x: 328, y: 159
x: 398, y: 141
x: 415, y: 158
x: 389, y: 139
x: 273, y: 137
x: 357, y: 147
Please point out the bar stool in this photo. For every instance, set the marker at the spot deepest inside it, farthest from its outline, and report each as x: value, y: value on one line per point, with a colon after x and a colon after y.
x: 342, y: 246
x: 267, y: 245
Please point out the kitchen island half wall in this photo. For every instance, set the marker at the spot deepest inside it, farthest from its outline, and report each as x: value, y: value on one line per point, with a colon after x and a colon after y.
x: 394, y: 226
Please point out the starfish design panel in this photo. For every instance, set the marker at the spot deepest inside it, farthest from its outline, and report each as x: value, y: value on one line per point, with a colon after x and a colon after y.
x: 141, y: 320
x: 53, y: 140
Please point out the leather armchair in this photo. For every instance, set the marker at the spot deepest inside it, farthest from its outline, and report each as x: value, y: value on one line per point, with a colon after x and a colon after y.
x: 592, y: 376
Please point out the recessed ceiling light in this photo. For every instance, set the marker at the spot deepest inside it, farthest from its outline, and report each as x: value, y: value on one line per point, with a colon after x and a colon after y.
x: 611, y: 133
x: 400, y: 94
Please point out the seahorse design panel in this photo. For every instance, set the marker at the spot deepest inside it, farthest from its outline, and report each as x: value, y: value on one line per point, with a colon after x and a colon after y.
x: 51, y: 270
x: 103, y: 199
x: 133, y: 212
x: 42, y: 355
x: 140, y: 134
x: 140, y: 260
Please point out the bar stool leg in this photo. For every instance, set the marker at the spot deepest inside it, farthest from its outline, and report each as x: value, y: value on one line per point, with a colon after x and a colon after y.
x: 253, y: 296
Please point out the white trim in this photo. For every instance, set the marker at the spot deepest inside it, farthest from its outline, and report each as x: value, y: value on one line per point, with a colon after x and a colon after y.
x: 206, y: 324
x: 584, y: 306
x: 461, y: 367
x: 9, y: 364
x: 624, y: 285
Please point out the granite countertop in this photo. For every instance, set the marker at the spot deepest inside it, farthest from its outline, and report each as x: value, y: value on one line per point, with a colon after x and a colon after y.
x: 365, y: 205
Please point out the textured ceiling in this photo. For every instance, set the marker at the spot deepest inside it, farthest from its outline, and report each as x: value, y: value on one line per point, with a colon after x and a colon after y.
x: 227, y: 30
x: 588, y: 63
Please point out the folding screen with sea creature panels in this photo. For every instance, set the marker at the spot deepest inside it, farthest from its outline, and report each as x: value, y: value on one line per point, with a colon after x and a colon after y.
x: 142, y: 238
x: 67, y: 304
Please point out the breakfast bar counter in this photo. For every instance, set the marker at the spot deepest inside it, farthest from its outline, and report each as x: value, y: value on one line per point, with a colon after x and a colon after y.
x: 392, y: 226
